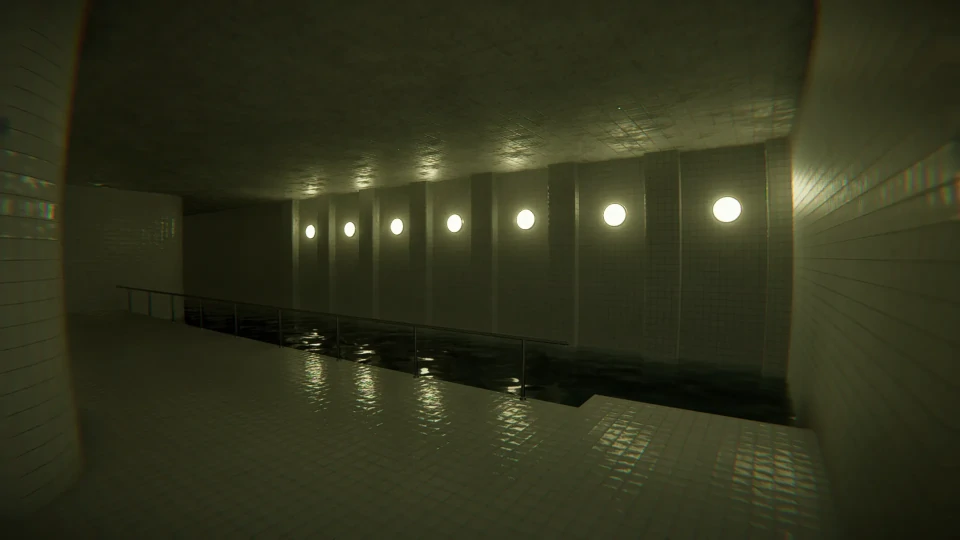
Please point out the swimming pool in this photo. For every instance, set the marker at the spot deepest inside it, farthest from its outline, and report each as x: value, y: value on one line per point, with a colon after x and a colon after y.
x: 565, y: 375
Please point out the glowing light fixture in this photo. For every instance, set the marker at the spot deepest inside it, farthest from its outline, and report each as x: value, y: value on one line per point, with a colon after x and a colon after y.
x: 350, y: 229
x: 614, y: 215
x: 396, y: 226
x: 311, y: 231
x: 525, y: 219
x: 454, y: 223
x: 726, y: 209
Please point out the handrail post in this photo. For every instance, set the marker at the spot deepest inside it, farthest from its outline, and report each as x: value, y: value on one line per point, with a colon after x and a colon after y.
x: 236, y: 322
x: 173, y: 308
x: 201, y: 313
x: 280, y: 326
x: 523, y: 369
x: 416, y: 357
x: 129, y: 301
x: 149, y: 304
x: 338, y: 337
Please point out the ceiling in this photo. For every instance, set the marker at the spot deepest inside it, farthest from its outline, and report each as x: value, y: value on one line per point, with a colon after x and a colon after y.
x: 231, y: 102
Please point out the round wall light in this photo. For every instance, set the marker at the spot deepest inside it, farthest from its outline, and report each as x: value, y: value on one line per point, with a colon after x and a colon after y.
x: 396, y: 226
x: 614, y: 215
x: 727, y: 209
x: 525, y: 219
x: 454, y: 223
x: 311, y: 231
x: 350, y: 229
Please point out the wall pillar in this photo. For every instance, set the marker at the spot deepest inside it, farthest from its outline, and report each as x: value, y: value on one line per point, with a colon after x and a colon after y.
x: 312, y: 255
x: 779, y: 300
x: 368, y: 231
x: 291, y: 215
x: 40, y: 454
x: 483, y: 251
x: 563, y: 231
x: 328, y: 213
x: 421, y: 248
x: 662, y: 284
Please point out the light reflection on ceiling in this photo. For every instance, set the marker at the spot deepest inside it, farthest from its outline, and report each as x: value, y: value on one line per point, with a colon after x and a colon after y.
x: 452, y: 89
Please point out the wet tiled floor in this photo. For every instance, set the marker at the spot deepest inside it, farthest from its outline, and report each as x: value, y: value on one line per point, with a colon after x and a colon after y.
x: 190, y: 433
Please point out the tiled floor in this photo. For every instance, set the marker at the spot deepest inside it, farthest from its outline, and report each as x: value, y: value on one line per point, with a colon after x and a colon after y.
x: 191, y: 434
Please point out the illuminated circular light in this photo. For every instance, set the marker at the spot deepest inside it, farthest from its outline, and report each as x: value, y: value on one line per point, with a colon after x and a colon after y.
x: 396, y: 226
x: 525, y: 219
x: 454, y: 223
x: 726, y: 209
x: 350, y: 229
x: 311, y: 231
x: 614, y: 215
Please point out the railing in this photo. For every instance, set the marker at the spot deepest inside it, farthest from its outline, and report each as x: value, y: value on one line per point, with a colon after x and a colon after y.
x: 337, y: 318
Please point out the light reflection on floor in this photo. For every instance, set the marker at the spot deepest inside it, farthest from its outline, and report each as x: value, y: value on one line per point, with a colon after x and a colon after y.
x: 204, y: 435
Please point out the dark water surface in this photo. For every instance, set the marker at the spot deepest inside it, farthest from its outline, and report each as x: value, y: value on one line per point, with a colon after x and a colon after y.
x: 565, y: 375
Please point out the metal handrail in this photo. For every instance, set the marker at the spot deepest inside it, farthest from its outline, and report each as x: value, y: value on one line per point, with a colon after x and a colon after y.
x: 337, y: 316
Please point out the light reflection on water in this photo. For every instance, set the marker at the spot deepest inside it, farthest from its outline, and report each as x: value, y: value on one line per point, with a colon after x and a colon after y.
x: 362, y: 353
x: 309, y: 340
x: 424, y: 371
x: 565, y: 376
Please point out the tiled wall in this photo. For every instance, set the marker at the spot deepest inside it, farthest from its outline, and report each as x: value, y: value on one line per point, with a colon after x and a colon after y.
x: 422, y: 238
x: 346, y: 295
x: 366, y: 296
x: 244, y: 254
x: 398, y: 296
x: 779, y: 259
x: 312, y: 268
x: 522, y: 271
x: 875, y: 356
x: 290, y: 213
x: 40, y: 451
x: 671, y: 283
x: 563, y: 229
x: 484, y: 209
x: 661, y: 211
x: 113, y: 237
x: 723, y: 274
x: 611, y: 259
x: 452, y: 288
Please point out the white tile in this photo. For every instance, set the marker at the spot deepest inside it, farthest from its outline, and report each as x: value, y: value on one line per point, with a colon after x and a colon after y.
x: 189, y: 432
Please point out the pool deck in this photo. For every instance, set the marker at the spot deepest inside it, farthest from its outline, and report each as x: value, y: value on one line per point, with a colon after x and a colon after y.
x: 190, y: 433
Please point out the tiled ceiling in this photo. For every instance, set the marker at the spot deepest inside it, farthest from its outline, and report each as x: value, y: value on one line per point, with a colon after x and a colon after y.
x: 226, y: 102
